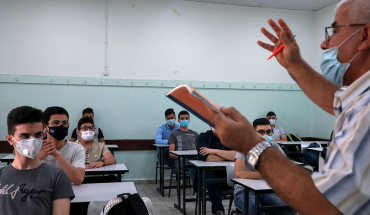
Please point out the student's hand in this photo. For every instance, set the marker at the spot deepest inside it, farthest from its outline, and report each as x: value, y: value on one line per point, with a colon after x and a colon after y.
x: 290, y: 56
x: 235, y: 131
x: 95, y: 165
x: 48, y: 148
x: 205, y: 151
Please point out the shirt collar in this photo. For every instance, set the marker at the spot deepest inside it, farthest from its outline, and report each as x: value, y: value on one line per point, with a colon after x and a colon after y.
x: 345, y: 95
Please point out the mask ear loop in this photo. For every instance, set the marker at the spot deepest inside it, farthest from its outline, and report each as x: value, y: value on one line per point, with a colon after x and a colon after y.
x: 349, y: 37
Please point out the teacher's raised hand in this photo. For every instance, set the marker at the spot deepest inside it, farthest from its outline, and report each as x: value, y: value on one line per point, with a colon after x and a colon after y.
x: 290, y: 56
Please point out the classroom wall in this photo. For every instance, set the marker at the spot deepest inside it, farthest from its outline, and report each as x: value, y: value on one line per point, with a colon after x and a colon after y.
x: 47, y: 45
x: 322, y: 122
x: 146, y: 40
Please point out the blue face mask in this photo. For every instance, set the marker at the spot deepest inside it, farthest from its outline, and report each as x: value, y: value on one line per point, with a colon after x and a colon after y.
x: 171, y: 122
x: 268, y: 138
x: 184, y: 123
x: 331, y: 68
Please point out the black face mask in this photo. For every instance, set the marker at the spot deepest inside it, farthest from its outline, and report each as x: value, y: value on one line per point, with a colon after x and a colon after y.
x: 58, y: 132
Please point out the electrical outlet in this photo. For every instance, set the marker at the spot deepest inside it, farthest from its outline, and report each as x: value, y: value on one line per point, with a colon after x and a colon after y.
x: 105, y: 73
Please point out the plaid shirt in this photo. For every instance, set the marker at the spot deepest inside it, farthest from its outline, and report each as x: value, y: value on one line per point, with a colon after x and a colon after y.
x: 345, y: 176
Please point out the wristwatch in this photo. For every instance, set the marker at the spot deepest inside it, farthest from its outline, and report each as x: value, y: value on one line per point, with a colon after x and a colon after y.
x: 255, y: 152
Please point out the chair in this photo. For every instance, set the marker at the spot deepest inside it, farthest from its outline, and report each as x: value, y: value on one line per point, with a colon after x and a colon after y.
x: 95, y: 207
x: 174, y: 172
x: 230, y: 173
x: 156, y: 171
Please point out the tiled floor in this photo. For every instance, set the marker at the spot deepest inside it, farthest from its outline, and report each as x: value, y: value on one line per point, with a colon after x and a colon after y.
x: 165, y: 205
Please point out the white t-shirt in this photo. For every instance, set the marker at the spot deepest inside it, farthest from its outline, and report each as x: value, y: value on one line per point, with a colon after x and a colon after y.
x: 278, y: 132
x: 73, y: 152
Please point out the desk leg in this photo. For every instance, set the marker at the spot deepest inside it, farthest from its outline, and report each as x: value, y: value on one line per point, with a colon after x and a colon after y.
x: 246, y: 201
x: 257, y: 203
x: 119, y: 177
x: 183, y: 184
x: 8, y: 162
x: 204, y: 209
x: 198, y: 194
x: 162, y: 171
x: 178, y: 182
x: 112, y: 152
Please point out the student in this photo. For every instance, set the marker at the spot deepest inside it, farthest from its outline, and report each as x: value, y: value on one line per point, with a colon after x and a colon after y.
x: 94, y: 150
x: 69, y: 156
x: 27, y: 186
x: 183, y: 139
x: 279, y: 134
x: 244, y: 170
x: 210, y: 148
x: 99, y: 137
x: 163, y: 133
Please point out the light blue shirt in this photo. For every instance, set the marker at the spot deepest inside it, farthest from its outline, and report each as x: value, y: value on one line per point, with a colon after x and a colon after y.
x: 163, y: 133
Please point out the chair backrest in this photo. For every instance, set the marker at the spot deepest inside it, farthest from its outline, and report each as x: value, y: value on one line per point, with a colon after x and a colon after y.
x: 95, y: 207
x: 230, y: 174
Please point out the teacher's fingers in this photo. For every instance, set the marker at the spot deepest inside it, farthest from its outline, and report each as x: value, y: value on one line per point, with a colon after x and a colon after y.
x: 270, y: 36
x: 233, y: 113
x: 266, y: 46
x: 285, y: 28
x: 275, y: 27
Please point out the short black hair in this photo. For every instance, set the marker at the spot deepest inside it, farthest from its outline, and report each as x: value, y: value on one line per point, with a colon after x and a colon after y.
x: 87, y: 110
x: 53, y: 111
x: 270, y: 114
x: 22, y: 115
x: 184, y: 112
x: 169, y: 111
x: 260, y: 121
x: 84, y: 120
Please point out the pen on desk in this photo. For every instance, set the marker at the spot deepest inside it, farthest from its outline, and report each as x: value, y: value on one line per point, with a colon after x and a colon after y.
x: 280, y: 48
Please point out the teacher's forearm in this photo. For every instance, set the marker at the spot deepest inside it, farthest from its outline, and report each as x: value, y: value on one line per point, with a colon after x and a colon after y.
x: 315, y: 86
x: 293, y: 184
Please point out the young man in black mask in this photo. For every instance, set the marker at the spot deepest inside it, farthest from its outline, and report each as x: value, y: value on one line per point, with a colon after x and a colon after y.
x: 59, y: 152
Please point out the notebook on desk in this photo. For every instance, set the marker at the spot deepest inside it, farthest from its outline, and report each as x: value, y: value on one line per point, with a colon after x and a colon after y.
x: 190, y: 99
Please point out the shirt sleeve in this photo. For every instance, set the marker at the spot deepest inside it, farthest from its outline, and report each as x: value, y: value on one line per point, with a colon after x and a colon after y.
x: 79, y: 157
x: 240, y: 155
x: 172, y: 138
x: 74, y: 133
x: 100, y: 135
x: 158, y: 137
x: 105, y: 149
x: 282, y: 131
x: 202, y: 142
x: 62, y: 186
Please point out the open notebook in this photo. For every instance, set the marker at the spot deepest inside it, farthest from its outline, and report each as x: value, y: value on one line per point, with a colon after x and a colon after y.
x: 193, y: 101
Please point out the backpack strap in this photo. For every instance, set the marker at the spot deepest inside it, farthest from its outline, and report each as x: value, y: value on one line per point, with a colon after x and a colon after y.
x: 297, y: 137
x: 290, y: 137
x: 110, y: 205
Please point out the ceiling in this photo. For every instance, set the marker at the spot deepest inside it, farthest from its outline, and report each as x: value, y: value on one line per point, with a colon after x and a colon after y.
x: 280, y: 4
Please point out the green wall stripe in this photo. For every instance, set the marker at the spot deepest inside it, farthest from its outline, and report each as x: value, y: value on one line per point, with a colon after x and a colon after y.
x: 54, y: 80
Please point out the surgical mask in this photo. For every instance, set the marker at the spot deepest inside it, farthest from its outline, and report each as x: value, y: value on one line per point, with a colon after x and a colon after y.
x: 184, y: 123
x: 268, y: 138
x: 58, y: 132
x: 213, y: 129
x: 272, y: 121
x: 28, y: 148
x: 331, y: 68
x: 87, y: 135
x: 171, y: 122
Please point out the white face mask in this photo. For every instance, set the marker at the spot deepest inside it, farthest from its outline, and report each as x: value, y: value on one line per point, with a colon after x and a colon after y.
x: 28, y: 147
x: 272, y: 121
x: 87, y: 135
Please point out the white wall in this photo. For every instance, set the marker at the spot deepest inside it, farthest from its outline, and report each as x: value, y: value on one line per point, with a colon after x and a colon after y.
x: 207, y: 42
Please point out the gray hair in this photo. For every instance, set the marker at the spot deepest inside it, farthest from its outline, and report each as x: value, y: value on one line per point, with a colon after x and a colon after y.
x: 358, y: 12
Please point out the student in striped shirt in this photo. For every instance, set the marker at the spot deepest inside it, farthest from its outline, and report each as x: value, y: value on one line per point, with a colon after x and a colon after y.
x: 343, y: 184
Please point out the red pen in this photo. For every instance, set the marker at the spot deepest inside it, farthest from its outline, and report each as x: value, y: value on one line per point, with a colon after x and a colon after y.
x: 280, y: 48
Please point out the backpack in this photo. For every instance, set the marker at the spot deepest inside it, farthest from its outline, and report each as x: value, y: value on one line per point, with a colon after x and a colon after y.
x: 125, y: 203
x: 311, y: 157
x: 294, y: 137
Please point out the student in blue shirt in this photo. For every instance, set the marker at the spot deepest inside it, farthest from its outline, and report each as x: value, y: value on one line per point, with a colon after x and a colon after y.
x: 163, y: 134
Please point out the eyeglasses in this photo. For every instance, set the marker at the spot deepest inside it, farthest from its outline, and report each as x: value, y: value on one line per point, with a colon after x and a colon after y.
x: 263, y: 132
x: 331, y: 28
x: 57, y: 123
x: 91, y: 128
